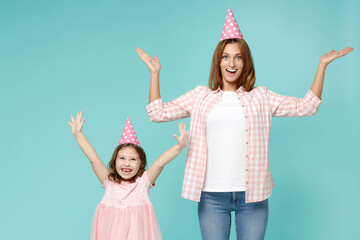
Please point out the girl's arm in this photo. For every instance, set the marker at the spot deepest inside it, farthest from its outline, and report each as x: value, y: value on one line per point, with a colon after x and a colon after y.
x: 156, y: 168
x: 154, y: 67
x: 98, y: 166
x: 325, y: 59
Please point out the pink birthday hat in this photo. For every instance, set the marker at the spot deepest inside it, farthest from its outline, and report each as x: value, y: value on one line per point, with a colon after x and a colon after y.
x: 128, y: 135
x: 231, y: 28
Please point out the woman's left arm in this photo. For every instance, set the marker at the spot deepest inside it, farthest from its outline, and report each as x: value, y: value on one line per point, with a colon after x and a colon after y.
x: 286, y: 106
x: 325, y: 59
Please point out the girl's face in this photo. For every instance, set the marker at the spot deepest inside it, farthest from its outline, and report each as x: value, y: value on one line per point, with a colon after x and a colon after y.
x: 231, y: 65
x: 127, y: 162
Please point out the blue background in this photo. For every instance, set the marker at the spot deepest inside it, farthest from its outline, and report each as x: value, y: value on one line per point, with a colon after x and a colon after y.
x: 59, y: 57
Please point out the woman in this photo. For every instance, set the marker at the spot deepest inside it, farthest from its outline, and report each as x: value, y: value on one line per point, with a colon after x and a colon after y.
x: 227, y: 167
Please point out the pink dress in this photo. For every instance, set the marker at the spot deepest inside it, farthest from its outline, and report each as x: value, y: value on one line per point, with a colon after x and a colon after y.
x: 125, y: 212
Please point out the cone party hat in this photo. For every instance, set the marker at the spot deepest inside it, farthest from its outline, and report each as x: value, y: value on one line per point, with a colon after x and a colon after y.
x: 128, y: 135
x: 231, y: 28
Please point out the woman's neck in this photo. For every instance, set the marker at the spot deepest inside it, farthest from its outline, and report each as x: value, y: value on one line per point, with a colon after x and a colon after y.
x: 228, y: 87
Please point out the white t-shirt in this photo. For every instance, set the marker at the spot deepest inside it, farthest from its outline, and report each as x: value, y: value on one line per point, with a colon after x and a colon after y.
x: 225, y: 127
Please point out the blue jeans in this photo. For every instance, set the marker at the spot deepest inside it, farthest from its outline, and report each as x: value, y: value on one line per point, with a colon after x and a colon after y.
x: 215, y: 209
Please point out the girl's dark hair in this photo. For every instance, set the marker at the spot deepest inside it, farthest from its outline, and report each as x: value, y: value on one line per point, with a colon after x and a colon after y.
x: 247, y: 76
x: 113, y: 175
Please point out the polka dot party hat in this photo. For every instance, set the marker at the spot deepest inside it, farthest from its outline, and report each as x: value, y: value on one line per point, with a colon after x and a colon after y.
x: 231, y: 28
x: 128, y: 135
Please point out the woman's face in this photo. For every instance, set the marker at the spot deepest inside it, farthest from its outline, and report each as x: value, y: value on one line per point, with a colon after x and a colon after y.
x: 231, y: 66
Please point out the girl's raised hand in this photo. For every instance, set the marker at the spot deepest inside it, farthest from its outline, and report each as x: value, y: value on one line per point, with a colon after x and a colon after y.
x: 332, y: 55
x: 77, y: 124
x: 152, y: 63
x: 184, y: 135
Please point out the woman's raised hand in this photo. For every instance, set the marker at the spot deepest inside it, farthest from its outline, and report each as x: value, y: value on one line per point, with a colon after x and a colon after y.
x: 332, y: 55
x: 77, y: 124
x: 152, y: 63
x: 184, y: 135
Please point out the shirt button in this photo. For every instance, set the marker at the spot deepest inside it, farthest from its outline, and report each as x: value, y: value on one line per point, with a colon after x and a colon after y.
x: 247, y: 143
x: 247, y: 182
x: 245, y: 116
x: 246, y: 155
x: 243, y: 105
x: 246, y: 130
x: 247, y: 170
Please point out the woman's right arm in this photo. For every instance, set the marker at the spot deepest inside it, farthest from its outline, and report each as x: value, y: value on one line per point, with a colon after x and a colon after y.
x: 158, y: 111
x: 97, y: 164
x: 154, y: 67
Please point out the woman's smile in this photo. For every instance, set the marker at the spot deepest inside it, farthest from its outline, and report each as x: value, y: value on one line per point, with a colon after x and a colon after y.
x: 231, y: 66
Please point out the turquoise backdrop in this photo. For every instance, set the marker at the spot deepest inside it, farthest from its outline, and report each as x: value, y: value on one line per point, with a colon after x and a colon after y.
x: 59, y: 57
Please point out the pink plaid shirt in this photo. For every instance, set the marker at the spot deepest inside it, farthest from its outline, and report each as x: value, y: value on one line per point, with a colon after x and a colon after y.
x: 259, y: 105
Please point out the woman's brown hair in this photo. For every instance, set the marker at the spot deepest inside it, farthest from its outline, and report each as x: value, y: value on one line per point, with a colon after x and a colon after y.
x: 247, y: 76
x: 113, y: 175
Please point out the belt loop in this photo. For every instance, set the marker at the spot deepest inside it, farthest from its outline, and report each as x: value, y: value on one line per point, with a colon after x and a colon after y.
x: 233, y: 199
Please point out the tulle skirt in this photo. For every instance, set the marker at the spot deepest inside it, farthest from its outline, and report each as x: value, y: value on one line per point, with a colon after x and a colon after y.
x: 131, y: 223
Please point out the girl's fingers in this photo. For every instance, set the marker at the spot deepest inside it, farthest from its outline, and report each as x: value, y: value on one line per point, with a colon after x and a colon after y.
x: 176, y: 137
x: 72, y: 118
x: 80, y: 115
x: 181, y: 128
x: 69, y: 123
x: 82, y: 122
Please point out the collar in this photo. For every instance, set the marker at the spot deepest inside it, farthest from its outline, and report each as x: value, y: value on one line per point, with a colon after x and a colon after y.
x: 239, y: 90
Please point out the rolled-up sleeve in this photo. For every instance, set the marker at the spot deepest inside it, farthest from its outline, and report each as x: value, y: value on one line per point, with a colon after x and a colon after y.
x: 285, y: 106
x: 178, y: 108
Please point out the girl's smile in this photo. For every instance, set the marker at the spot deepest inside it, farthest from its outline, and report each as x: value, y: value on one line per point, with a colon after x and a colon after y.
x: 127, y: 163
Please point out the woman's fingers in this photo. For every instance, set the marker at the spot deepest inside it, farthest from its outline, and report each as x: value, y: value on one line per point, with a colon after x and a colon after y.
x: 72, y: 118
x: 345, y: 51
x: 332, y: 55
x: 145, y: 57
x: 142, y: 54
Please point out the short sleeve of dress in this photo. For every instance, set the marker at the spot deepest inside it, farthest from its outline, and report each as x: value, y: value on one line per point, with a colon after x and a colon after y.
x: 105, y: 183
x: 145, y: 179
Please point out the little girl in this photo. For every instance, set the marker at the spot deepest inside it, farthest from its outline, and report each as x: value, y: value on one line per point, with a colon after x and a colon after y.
x: 125, y: 212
